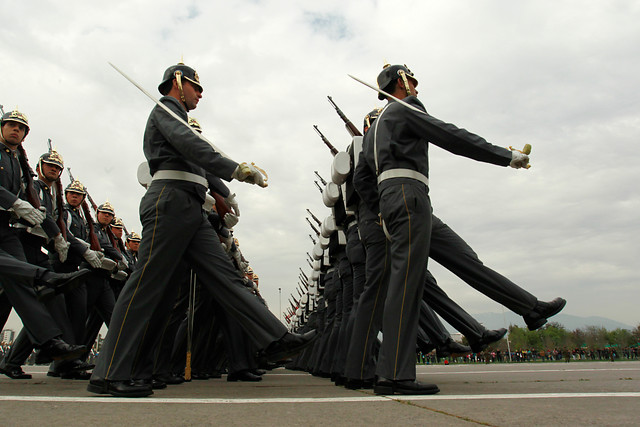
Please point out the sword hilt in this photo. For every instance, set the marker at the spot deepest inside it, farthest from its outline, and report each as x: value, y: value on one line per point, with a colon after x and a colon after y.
x: 525, y: 150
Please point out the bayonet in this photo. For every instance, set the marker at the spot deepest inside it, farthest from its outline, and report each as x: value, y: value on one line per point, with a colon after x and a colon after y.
x: 315, y: 218
x: 333, y: 149
x: 312, y: 226
x: 351, y: 128
x: 321, y: 178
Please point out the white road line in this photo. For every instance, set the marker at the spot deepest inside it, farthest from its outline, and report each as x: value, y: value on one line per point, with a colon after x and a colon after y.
x: 524, y: 371
x: 355, y: 399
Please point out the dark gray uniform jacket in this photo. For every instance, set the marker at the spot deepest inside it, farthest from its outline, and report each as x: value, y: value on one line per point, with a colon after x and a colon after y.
x: 185, y: 152
x: 403, y: 138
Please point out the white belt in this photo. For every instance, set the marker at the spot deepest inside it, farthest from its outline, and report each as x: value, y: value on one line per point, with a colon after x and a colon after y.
x: 180, y: 176
x: 403, y: 173
x: 352, y: 223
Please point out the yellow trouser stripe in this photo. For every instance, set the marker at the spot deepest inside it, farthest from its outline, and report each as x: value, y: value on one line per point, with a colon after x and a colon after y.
x: 375, y: 305
x: 404, y: 292
x: 153, y: 236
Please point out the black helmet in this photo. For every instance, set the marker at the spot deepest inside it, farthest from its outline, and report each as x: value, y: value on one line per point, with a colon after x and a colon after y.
x: 76, y: 187
x: 134, y: 237
x: 370, y: 118
x: 15, y: 116
x: 178, y: 71
x: 107, y: 207
x: 53, y: 158
x: 391, y: 73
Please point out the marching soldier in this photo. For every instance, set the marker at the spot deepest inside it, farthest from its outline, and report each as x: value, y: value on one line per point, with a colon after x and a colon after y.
x: 180, y: 162
x: 131, y: 254
x: 396, y: 150
x: 18, y: 290
x: 34, y: 239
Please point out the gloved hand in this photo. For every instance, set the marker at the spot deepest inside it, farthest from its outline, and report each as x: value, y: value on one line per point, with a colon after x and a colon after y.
x: 94, y: 258
x: 27, y: 212
x: 119, y: 275
x: 518, y: 160
x: 108, y: 264
x: 233, y: 204
x: 248, y: 173
x: 123, y: 264
x: 230, y: 220
x: 62, y: 247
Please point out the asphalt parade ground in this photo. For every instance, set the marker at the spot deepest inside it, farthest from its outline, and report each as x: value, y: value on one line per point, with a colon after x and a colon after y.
x: 539, y: 394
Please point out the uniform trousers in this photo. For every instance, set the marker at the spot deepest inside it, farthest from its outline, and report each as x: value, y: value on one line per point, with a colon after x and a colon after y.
x: 16, y: 279
x: 174, y: 228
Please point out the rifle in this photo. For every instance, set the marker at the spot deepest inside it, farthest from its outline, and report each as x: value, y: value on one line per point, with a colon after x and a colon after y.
x: 347, y: 123
x: 59, y: 204
x: 315, y: 218
x: 305, y: 276
x: 312, y: 239
x: 93, y: 238
x: 318, y: 185
x: 309, y: 262
x: 310, y: 257
x: 321, y: 178
x: 312, y: 226
x: 333, y: 149
x: 27, y: 174
x: 112, y: 237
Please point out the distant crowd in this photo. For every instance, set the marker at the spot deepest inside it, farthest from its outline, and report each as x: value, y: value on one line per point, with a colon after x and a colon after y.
x: 535, y: 355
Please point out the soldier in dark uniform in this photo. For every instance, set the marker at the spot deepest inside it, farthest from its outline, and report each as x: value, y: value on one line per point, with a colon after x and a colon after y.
x: 18, y: 289
x: 34, y: 240
x: 76, y: 300
x: 100, y: 294
x: 131, y: 254
x: 180, y: 162
x: 396, y: 149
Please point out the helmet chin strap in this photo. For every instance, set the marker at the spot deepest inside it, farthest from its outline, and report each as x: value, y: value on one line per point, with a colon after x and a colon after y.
x: 178, y: 75
x: 406, y: 82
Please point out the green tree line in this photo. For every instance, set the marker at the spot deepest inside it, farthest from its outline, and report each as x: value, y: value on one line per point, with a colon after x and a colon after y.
x: 554, y: 335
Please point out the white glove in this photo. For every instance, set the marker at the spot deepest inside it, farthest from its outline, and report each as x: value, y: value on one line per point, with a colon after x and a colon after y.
x: 25, y: 211
x: 108, y: 264
x: 62, y: 247
x: 248, y: 173
x: 94, y: 258
x: 233, y: 204
x: 519, y: 160
x: 123, y: 264
x: 230, y: 220
x: 120, y: 276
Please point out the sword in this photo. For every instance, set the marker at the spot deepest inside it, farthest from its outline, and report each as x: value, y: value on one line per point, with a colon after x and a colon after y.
x: 526, y: 150
x: 181, y: 120
x: 190, y: 316
x: 388, y: 95
x: 168, y: 110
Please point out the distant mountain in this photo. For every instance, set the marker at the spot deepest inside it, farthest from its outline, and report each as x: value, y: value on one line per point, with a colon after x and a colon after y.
x: 498, y: 320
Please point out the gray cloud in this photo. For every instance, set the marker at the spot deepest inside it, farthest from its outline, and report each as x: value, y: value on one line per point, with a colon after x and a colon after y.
x: 560, y: 76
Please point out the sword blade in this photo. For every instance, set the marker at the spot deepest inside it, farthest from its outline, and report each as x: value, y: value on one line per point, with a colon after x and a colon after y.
x: 388, y: 95
x: 168, y: 110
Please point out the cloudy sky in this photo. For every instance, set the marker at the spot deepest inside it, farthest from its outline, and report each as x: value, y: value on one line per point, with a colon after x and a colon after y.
x: 562, y: 76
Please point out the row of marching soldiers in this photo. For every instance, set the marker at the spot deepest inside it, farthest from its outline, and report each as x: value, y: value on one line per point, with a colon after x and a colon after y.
x: 61, y: 270
x: 345, y: 296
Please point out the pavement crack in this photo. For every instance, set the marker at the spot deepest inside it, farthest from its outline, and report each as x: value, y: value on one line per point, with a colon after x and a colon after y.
x: 438, y: 411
